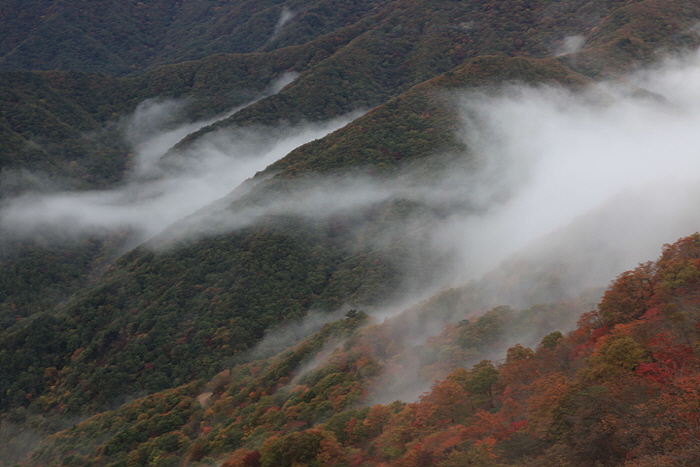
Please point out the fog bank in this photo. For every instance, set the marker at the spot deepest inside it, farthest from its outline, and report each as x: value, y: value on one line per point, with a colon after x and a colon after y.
x: 601, y: 179
x: 163, y: 186
x: 618, y: 164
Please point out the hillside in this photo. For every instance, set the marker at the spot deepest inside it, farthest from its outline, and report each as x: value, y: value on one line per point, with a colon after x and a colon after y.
x: 633, y: 356
x: 454, y: 178
x: 125, y: 37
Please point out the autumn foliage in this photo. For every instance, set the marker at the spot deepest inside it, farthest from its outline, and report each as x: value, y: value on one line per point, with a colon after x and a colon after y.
x: 621, y: 389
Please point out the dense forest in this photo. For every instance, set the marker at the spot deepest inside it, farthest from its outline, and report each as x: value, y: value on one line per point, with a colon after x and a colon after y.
x: 334, y: 233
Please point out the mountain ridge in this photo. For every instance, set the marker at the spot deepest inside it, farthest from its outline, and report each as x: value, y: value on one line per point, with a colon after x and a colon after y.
x: 90, y: 330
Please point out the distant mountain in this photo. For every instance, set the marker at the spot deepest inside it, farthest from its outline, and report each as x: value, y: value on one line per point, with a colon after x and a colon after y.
x: 139, y: 286
x: 125, y: 37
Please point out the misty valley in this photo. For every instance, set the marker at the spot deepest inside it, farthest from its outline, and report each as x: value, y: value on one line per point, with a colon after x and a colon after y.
x: 378, y: 233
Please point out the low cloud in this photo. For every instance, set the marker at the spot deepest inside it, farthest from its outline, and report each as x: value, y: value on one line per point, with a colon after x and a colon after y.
x: 594, y: 181
x: 164, y: 186
x: 286, y: 16
x: 570, y: 45
x: 571, y: 186
x: 555, y: 155
x: 574, y: 189
x: 597, y: 180
x: 541, y: 158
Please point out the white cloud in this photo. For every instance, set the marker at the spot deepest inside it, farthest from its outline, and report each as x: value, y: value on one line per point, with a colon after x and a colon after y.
x: 544, y: 157
x: 164, y: 186
x: 570, y: 45
x: 286, y: 16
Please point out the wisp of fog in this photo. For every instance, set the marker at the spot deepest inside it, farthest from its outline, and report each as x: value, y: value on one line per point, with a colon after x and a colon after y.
x: 618, y: 163
x: 163, y: 186
x: 286, y: 16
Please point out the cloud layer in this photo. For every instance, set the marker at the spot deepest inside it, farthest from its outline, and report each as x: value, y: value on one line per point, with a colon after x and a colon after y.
x: 555, y: 155
x: 545, y: 158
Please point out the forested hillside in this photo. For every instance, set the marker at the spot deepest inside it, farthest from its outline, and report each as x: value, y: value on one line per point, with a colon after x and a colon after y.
x: 262, y: 233
x: 619, y: 389
x: 128, y: 37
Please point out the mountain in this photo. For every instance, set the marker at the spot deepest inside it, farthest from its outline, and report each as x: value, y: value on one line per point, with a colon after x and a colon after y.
x: 183, y: 182
x: 633, y: 357
x: 130, y: 37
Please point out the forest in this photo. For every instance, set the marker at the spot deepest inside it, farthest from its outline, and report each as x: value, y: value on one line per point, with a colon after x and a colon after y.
x: 330, y: 233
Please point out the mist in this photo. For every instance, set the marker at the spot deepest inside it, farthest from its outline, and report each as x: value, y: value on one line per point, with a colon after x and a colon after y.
x: 286, y: 16
x: 574, y: 188
x: 555, y: 156
x: 570, y: 189
x: 595, y: 181
x: 580, y: 184
x: 570, y: 45
x: 539, y: 159
x: 163, y: 185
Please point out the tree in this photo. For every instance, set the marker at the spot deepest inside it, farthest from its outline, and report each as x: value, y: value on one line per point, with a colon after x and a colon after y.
x: 551, y: 340
x: 480, y: 382
x: 301, y: 448
x: 628, y: 297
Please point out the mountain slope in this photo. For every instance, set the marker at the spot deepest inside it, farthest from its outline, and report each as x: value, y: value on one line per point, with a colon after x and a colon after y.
x: 358, y: 66
x: 633, y: 355
x: 217, y: 295
x: 346, y: 221
x: 124, y: 37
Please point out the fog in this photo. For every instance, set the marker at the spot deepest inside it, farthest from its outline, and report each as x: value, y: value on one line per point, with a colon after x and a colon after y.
x: 582, y: 185
x: 570, y: 45
x: 557, y: 156
x: 286, y: 16
x: 575, y: 186
x: 600, y: 178
x: 163, y: 185
x: 540, y: 159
